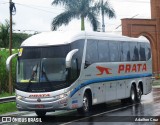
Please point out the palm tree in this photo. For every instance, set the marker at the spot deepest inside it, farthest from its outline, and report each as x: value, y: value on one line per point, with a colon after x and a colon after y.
x: 79, y: 9
x: 4, y: 34
x: 105, y: 8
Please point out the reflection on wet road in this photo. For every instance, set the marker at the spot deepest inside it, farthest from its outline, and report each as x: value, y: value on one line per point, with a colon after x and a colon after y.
x: 124, y: 114
x: 112, y: 113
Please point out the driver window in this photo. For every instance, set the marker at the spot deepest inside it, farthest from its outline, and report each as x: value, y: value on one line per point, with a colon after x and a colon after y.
x: 91, y: 52
x: 74, y: 70
x: 77, y: 57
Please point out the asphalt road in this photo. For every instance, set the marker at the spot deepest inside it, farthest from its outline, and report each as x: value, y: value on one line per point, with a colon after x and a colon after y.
x: 112, y: 113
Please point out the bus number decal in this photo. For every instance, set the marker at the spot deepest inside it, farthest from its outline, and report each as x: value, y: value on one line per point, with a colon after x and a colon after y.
x: 20, y: 52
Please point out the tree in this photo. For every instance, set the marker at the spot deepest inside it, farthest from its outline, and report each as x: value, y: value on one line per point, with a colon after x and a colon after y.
x: 79, y: 9
x: 18, y: 38
x: 4, y: 34
x: 105, y: 9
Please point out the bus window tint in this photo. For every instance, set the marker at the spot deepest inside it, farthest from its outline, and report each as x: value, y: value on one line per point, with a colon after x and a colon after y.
x: 148, y: 51
x: 134, y: 52
x: 54, y: 69
x: 103, y: 51
x: 79, y: 44
x: 113, y: 49
x: 125, y: 51
x: 91, y: 52
x: 141, y: 47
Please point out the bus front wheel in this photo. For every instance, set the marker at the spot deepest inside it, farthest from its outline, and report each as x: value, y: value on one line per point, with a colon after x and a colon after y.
x: 40, y: 113
x: 86, y: 107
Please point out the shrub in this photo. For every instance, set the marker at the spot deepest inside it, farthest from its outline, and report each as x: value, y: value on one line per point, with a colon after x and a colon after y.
x: 4, y: 74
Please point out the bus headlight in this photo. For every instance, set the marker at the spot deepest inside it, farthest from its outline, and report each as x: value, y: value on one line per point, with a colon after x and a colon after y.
x: 61, y: 96
x: 19, y: 97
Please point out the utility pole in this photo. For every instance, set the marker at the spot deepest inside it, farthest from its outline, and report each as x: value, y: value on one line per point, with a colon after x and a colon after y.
x: 12, y: 9
x: 10, y: 47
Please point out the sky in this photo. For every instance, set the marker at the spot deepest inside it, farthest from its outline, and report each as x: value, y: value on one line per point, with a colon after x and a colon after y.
x: 36, y: 15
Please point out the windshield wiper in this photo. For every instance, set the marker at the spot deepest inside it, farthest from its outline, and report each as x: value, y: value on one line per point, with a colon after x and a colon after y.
x: 32, y: 76
x: 29, y: 83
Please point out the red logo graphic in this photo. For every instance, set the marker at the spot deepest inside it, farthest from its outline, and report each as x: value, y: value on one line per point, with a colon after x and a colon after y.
x: 39, y: 95
x: 103, y: 69
x: 127, y: 68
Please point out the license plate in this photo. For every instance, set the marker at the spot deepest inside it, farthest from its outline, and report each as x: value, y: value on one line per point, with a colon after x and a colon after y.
x: 39, y: 106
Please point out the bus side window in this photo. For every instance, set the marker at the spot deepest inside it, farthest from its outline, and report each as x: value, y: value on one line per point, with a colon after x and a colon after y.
x: 125, y: 51
x: 142, y: 51
x: 91, y: 52
x: 103, y: 51
x: 114, y: 52
x: 134, y: 52
x: 147, y: 51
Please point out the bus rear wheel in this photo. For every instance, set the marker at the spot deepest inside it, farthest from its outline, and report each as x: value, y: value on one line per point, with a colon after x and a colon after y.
x: 86, y: 107
x: 139, y: 94
x: 40, y: 113
x: 132, y: 98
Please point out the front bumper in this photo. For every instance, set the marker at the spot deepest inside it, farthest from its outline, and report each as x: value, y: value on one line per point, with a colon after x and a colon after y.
x: 45, y: 104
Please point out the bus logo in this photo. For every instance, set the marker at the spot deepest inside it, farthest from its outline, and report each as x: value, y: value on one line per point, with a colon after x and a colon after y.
x: 102, y: 70
x: 128, y: 68
x: 39, y: 95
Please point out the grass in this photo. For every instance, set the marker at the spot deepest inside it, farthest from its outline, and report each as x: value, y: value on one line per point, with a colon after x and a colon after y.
x: 8, y: 107
x: 5, y: 94
x: 156, y: 82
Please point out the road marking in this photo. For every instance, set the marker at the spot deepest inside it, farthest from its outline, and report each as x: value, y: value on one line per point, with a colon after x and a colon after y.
x: 98, y: 114
x: 103, y: 113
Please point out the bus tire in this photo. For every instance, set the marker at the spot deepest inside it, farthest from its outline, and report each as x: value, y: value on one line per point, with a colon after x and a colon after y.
x: 87, y: 103
x: 133, y: 93
x: 40, y: 113
x: 139, y: 94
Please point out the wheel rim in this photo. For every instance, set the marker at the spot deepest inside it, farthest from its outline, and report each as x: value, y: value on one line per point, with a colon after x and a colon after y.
x: 133, y: 95
x: 139, y: 93
x: 85, y: 103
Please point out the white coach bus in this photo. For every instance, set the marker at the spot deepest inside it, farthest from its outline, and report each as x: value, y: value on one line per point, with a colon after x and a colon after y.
x: 75, y: 70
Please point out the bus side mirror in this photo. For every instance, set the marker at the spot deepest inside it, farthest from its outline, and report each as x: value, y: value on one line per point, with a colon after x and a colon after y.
x: 69, y: 57
x: 9, y: 60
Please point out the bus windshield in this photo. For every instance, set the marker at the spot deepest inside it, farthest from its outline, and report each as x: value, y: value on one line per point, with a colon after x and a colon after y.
x: 41, y: 70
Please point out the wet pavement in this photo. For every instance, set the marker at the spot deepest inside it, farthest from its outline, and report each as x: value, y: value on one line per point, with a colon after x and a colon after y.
x: 113, y: 113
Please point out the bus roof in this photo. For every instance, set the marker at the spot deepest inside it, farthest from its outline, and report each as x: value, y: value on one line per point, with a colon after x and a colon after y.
x: 60, y: 38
